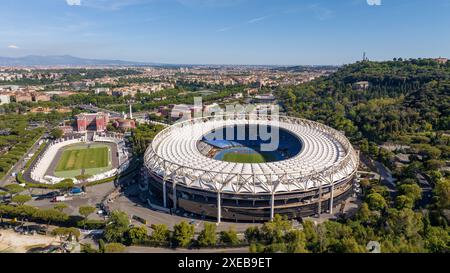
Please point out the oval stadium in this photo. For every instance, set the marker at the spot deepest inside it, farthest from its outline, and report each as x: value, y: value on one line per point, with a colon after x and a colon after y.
x: 304, y: 168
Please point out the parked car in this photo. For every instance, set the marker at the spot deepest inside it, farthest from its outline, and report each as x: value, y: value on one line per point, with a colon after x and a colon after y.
x: 49, y: 195
x: 76, y: 191
x: 60, y: 198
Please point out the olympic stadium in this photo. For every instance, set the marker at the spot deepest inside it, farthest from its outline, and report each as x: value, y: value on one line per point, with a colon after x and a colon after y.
x: 310, y: 171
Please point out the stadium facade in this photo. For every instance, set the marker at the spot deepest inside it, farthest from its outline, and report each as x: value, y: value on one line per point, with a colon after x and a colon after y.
x: 95, y: 121
x: 313, y: 180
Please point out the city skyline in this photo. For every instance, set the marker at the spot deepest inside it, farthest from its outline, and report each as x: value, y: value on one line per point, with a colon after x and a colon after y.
x: 226, y: 32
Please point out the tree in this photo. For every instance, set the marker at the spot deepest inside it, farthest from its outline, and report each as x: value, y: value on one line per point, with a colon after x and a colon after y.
x: 56, y: 133
x: 350, y: 245
x: 434, y: 164
x: 136, y: 235
x: 183, y: 233
x: 252, y: 234
x: 160, y: 233
x: 21, y: 199
x: 364, y: 146
x: 88, y: 248
x: 429, y: 151
x: 51, y: 215
x: 437, y: 240
x: 404, y: 222
x: 229, y: 237
x: 376, y: 201
x: 101, y: 246
x: 2, y: 194
x: 413, y: 191
x: 24, y: 211
x: 296, y: 242
x: 274, y: 230
x: 85, y: 211
x: 67, y: 232
x: 207, y: 236
x: 363, y: 213
x: 404, y: 201
x: 117, y: 226
x: 14, y: 189
x: 60, y: 207
x: 65, y: 185
x: 114, y: 248
x: 442, y: 194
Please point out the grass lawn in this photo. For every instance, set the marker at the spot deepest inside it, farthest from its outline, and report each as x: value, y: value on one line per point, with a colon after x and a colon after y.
x: 95, y: 159
x: 244, y: 158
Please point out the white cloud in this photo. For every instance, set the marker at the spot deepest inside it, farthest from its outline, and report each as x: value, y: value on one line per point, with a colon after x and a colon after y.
x: 255, y: 20
x: 374, y: 2
x: 73, y: 2
x: 321, y: 13
x: 211, y: 3
x: 13, y: 47
x: 224, y: 29
x: 107, y: 4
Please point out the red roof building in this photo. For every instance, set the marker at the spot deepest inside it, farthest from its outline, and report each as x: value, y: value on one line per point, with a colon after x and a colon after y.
x: 92, y: 122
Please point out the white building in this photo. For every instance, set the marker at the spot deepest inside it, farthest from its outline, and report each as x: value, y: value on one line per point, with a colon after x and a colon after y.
x: 5, y: 99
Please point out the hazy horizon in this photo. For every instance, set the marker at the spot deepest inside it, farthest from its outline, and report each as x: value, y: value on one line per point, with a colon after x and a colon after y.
x: 150, y: 63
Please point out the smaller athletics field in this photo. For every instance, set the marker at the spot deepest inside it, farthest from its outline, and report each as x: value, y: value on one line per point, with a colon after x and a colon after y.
x: 83, y: 160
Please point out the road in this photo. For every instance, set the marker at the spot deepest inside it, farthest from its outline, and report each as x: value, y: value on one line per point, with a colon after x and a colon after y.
x: 20, y: 165
x: 427, y: 191
x: 386, y: 178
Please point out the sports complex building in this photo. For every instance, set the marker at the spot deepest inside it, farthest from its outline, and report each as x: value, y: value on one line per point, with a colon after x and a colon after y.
x: 233, y: 179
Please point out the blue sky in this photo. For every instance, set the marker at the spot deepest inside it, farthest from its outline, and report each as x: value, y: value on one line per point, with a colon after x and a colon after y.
x: 227, y: 31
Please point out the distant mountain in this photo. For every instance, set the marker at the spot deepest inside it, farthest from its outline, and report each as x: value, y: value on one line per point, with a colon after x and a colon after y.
x: 306, y: 68
x: 35, y: 60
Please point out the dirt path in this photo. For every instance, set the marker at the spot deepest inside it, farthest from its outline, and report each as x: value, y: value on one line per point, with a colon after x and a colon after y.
x: 13, y: 242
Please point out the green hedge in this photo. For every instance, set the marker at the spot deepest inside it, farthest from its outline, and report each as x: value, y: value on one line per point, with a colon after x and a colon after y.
x: 49, y: 215
x: 18, y: 151
x: 91, y: 224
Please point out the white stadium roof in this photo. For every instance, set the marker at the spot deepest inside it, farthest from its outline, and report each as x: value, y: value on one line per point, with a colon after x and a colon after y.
x: 326, y: 157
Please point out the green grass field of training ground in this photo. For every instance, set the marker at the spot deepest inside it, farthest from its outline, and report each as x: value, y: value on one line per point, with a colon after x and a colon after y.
x: 94, y: 159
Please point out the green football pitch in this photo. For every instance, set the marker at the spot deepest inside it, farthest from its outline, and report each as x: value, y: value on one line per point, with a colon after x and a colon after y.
x: 77, y: 160
x: 244, y: 158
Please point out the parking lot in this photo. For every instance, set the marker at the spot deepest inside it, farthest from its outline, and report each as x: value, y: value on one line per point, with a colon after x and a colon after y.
x: 94, y: 195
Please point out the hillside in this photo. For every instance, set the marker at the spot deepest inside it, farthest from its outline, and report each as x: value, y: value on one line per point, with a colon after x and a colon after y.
x: 403, y: 97
x: 405, y: 102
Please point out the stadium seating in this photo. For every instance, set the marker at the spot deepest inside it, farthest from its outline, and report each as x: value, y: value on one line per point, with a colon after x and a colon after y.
x: 43, y: 162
